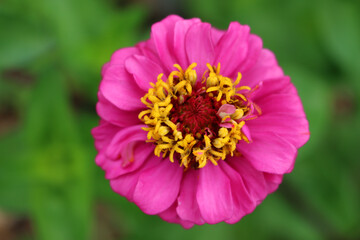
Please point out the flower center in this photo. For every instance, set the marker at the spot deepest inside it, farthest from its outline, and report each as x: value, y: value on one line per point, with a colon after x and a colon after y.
x: 196, y: 114
x: 197, y: 121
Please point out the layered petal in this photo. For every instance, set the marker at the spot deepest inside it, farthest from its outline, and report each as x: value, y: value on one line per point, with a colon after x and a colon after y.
x: 232, y: 48
x: 114, y: 115
x: 243, y: 202
x: 268, y: 152
x: 158, y: 187
x: 162, y: 34
x: 125, y: 185
x: 265, y: 68
x: 143, y: 69
x: 214, y: 195
x: 119, y: 87
x: 199, y: 45
x: 188, y: 207
x: 170, y: 215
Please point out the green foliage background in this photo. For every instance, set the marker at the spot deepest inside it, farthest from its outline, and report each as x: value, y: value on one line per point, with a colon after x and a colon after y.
x: 51, y: 53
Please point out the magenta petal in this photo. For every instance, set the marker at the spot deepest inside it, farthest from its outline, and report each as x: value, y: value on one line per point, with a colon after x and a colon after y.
x: 254, y: 180
x: 232, y: 48
x: 181, y: 28
x: 123, y: 138
x: 144, y: 70
x: 214, y: 194
x: 199, y: 46
x: 243, y: 202
x: 287, y: 104
x: 269, y: 153
x: 162, y: 33
x: 188, y: 208
x: 119, y: 56
x: 255, y: 45
x: 292, y: 128
x: 119, y: 88
x: 273, y: 181
x: 158, y: 187
x: 266, y: 67
x: 125, y: 184
x: 114, y: 115
x: 128, y: 162
x: 170, y: 215
x: 103, y: 134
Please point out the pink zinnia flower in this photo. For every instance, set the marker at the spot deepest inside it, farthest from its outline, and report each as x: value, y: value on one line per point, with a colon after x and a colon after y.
x: 198, y: 125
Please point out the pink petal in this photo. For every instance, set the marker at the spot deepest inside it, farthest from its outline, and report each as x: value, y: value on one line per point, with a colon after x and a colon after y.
x: 162, y: 33
x: 170, y: 215
x: 254, y: 181
x: 144, y: 70
x: 243, y: 202
x: 119, y: 57
x: 199, y: 46
x: 188, y: 208
x: 158, y: 187
x: 265, y: 68
x: 214, y: 194
x: 128, y: 162
x: 255, y: 45
x: 273, y: 181
x: 181, y: 28
x: 292, y: 128
x: 269, y: 153
x: 287, y: 104
x: 216, y: 35
x: 123, y: 138
x: 148, y: 49
x: 226, y: 110
x: 119, y: 88
x: 103, y: 134
x: 125, y: 184
x: 232, y: 48
x: 274, y: 86
x: 109, y: 112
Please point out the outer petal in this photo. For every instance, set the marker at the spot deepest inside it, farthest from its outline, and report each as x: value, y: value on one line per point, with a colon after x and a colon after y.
x: 181, y: 28
x: 158, y: 187
x: 269, y: 153
x: 170, y: 215
x: 119, y: 57
x: 292, y: 128
x: 199, y: 46
x: 119, y: 88
x: 188, y: 208
x: 131, y: 160
x: 243, y: 202
x: 125, y: 184
x: 162, y: 33
x: 103, y: 134
x: 255, y: 45
x: 232, y: 48
x: 123, y: 138
x: 265, y: 68
x: 144, y: 70
x: 254, y: 180
x: 214, y: 194
x: 109, y: 112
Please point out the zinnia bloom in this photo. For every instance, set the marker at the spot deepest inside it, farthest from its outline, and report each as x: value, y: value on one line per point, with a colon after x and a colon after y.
x: 198, y: 125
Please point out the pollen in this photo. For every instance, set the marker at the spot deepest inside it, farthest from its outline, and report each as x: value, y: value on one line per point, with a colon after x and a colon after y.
x: 196, y: 121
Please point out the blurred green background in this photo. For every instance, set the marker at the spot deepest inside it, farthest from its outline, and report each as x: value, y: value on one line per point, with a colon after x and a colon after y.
x: 51, y: 53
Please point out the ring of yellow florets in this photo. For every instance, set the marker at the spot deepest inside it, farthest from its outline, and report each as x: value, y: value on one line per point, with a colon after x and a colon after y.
x: 175, y: 138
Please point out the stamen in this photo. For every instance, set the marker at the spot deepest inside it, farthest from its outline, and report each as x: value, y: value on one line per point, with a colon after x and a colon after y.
x: 210, y: 115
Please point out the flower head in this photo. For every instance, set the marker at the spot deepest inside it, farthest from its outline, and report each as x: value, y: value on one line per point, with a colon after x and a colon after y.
x: 198, y: 125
